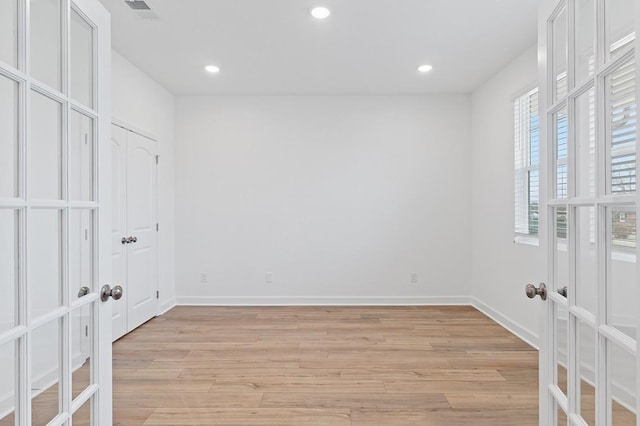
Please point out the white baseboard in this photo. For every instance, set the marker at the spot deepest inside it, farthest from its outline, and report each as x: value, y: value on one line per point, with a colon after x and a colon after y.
x: 523, y: 333
x: 323, y: 301
x: 166, y: 307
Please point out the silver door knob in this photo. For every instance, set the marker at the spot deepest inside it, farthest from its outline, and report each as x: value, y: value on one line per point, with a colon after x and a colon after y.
x: 532, y: 291
x: 124, y: 240
x: 133, y: 239
x: 83, y: 291
x: 106, y: 292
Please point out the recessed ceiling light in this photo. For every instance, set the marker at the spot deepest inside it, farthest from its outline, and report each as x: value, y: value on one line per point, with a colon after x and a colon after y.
x: 424, y: 68
x: 212, y: 69
x: 320, y: 12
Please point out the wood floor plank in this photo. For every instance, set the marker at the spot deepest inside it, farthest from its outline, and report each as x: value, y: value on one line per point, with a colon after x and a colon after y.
x: 249, y: 417
x: 445, y: 417
x: 376, y: 401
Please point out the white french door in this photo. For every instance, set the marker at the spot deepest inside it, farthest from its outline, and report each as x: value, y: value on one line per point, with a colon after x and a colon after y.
x: 55, y: 332
x: 589, y: 343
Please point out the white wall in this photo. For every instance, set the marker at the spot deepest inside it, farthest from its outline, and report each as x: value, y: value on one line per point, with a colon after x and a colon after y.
x: 500, y: 267
x: 340, y: 198
x: 141, y: 102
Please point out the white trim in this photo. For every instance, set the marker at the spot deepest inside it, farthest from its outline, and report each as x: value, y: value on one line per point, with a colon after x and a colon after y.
x: 166, y: 307
x: 521, y: 332
x: 529, y: 240
x: 528, y: 88
x: 323, y: 301
x: 130, y: 127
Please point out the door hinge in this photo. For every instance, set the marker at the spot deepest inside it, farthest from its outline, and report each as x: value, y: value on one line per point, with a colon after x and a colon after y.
x: 157, y: 159
x: 157, y: 294
x: 157, y: 226
x: 86, y: 331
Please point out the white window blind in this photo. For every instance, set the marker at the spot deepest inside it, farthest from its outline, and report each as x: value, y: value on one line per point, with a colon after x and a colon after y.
x: 527, y: 163
x: 622, y: 121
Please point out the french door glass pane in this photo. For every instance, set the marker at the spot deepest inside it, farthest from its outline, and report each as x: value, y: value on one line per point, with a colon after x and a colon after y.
x: 8, y: 269
x: 7, y: 383
x: 622, y: 269
x: 562, y: 416
x: 561, y: 151
x: 8, y: 135
x: 45, y: 147
x: 45, y: 372
x: 45, y: 257
x: 620, y: 15
x: 586, y: 260
x: 559, y: 31
x: 561, y: 255
x: 81, y: 226
x: 622, y: 392
x: 586, y: 145
x: 585, y: 30
x: 46, y: 42
x: 620, y: 86
x: 81, y: 60
x: 82, y: 354
x: 81, y: 150
x: 9, y: 32
x: 561, y: 345
x: 586, y: 346
x: 82, y: 417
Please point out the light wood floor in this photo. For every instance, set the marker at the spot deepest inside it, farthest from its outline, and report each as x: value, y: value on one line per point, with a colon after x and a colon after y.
x: 321, y: 366
x: 324, y: 366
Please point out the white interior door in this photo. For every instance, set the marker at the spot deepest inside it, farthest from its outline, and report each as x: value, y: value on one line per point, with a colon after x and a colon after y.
x: 142, y: 264
x: 55, y: 345
x: 134, y: 228
x: 589, y: 345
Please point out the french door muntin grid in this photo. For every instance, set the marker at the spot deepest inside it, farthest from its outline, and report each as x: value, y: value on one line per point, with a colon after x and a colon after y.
x: 23, y: 206
x: 602, y: 202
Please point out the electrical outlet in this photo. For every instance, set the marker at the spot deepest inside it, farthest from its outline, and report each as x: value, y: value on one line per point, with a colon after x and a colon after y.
x: 413, y: 277
x: 204, y: 277
x: 268, y: 277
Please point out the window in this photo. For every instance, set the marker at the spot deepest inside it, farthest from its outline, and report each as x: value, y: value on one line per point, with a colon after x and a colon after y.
x: 527, y: 163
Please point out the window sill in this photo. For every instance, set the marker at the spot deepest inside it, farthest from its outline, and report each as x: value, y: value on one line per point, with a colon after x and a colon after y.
x: 623, y: 256
x: 526, y: 240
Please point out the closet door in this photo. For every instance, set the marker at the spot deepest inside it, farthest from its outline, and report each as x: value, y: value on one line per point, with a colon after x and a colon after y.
x: 134, y: 232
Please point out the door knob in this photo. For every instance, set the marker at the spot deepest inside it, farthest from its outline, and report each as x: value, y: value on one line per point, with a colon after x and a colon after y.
x: 133, y: 239
x: 124, y: 240
x: 532, y: 291
x: 107, y: 292
x: 83, y: 291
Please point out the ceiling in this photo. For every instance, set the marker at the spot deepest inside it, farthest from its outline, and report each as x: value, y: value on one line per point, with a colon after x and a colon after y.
x: 275, y: 47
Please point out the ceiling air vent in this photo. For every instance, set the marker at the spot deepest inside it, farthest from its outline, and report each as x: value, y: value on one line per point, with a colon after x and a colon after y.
x: 138, y: 5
